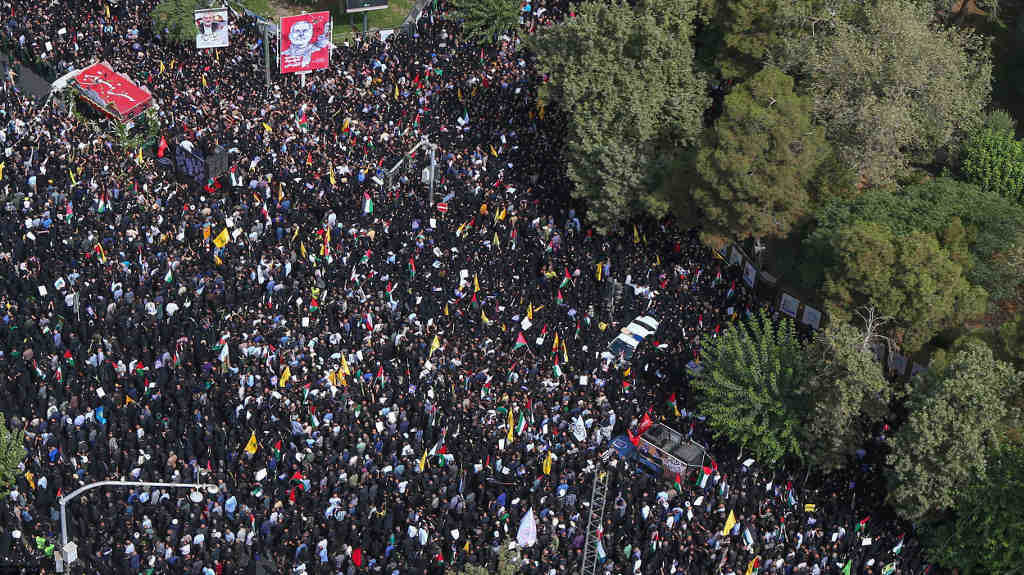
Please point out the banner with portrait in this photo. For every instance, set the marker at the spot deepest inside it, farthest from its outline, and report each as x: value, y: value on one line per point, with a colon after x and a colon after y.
x: 305, y: 42
x: 211, y: 28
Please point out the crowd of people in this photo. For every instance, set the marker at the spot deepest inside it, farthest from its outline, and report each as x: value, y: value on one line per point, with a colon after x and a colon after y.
x: 372, y: 383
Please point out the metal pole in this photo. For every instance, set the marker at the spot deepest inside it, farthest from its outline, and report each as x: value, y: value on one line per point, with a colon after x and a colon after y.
x: 364, y: 24
x: 64, y: 500
x: 266, y: 55
x: 433, y: 173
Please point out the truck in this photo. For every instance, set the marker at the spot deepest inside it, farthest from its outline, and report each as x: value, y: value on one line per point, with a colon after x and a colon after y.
x: 661, y: 451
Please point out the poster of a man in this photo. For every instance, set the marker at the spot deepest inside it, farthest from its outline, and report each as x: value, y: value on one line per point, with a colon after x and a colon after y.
x: 211, y: 28
x: 305, y: 42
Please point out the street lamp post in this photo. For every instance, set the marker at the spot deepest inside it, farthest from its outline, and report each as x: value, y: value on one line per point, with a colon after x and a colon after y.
x: 195, y: 497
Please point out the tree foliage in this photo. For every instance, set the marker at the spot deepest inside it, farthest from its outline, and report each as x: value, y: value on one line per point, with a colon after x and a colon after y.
x: 983, y: 245
x: 994, y: 160
x: 12, y: 453
x: 909, y: 277
x: 984, y: 534
x: 757, y: 164
x: 624, y: 73
x: 893, y: 87
x: 957, y: 416
x: 750, y: 386
x: 174, y: 20
x: 485, y: 20
x: 846, y: 396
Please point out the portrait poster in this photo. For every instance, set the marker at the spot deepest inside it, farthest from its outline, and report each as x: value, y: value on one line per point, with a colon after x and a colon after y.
x: 749, y: 275
x: 811, y: 317
x: 305, y: 42
x: 211, y: 28
x: 789, y: 305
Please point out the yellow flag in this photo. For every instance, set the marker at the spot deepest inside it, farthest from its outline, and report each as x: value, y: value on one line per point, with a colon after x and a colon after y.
x: 600, y: 267
x: 106, y: 10
x: 501, y: 216
x: 476, y: 284
x: 172, y: 63
x: 446, y: 309
x: 497, y: 240
x: 636, y: 235
x: 565, y: 354
x: 162, y: 68
x: 493, y: 152
x: 510, y: 437
x: 332, y: 376
x: 138, y: 158
x: 460, y: 93
x: 753, y: 565
x: 423, y: 461
x: 31, y: 478
x: 434, y: 345
x: 128, y: 400
x: 483, y: 317
x: 554, y: 348
x: 466, y: 546
x: 222, y: 238
x: 546, y: 468
x: 302, y: 249
x: 2, y: 164
x: 267, y: 127
x: 729, y: 523
x: 396, y: 91
x: 657, y: 260
x: 529, y: 312
x: 333, y: 182
x: 285, y: 376
x: 344, y: 366
x: 204, y: 80
x: 344, y: 127
x: 251, y: 446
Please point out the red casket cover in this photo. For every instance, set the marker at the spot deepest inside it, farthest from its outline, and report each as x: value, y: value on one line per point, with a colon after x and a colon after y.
x: 111, y: 91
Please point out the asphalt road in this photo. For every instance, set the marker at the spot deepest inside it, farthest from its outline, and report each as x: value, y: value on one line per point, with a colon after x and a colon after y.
x: 27, y: 81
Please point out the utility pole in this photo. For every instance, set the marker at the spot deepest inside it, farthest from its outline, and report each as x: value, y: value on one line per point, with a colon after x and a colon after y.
x: 266, y: 52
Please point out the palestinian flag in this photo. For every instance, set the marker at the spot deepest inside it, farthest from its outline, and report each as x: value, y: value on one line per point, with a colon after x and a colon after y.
x: 520, y: 424
x: 520, y: 342
x: 314, y: 305
x: 862, y: 525
x: 703, y: 476
x: 559, y: 300
x: 672, y: 403
x: 566, y: 279
x: 367, y: 204
x: 678, y: 485
x: 557, y: 370
x: 543, y: 335
x: 277, y: 450
x: 412, y: 269
x: 474, y: 302
x: 754, y: 566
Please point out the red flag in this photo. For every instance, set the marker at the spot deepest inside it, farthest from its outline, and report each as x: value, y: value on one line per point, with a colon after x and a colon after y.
x: 162, y: 147
x: 632, y: 438
x: 645, y: 424
x: 357, y: 556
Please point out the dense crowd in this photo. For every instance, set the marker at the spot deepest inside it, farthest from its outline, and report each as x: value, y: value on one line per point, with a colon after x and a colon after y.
x: 349, y: 366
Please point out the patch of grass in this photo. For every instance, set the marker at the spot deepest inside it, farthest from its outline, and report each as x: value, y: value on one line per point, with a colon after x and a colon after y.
x: 346, y: 25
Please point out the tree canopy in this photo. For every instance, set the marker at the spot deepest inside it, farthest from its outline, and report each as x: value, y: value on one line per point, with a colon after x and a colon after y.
x: 994, y: 160
x: 846, y: 396
x: 957, y: 416
x: 909, y: 277
x: 12, y: 452
x: 757, y: 163
x: 624, y: 74
x: 984, y: 533
x: 485, y: 20
x: 892, y: 86
x: 989, y: 224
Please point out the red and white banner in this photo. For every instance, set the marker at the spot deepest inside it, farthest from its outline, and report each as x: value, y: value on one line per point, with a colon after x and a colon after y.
x: 305, y: 42
x: 112, y: 92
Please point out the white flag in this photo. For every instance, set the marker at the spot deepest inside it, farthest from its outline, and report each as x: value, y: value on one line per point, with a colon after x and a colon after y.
x: 527, y: 535
x: 579, y: 429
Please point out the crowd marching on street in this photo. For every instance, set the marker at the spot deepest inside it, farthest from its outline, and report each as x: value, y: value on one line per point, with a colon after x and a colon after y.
x: 375, y: 384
